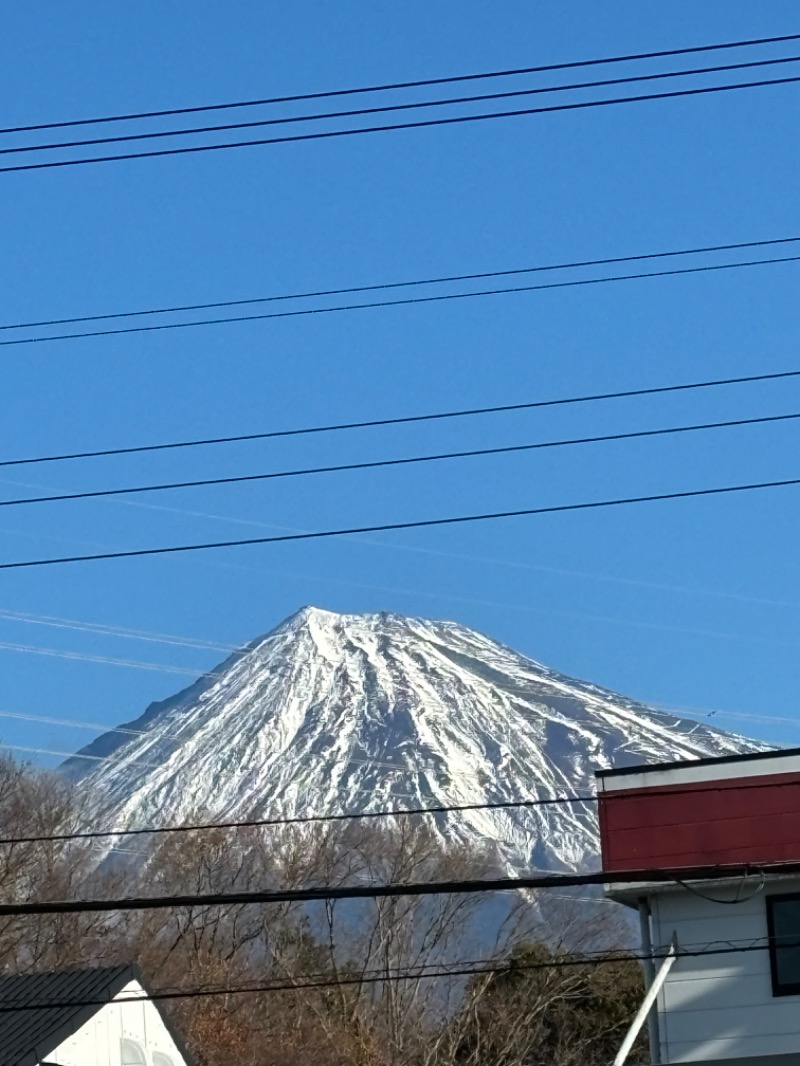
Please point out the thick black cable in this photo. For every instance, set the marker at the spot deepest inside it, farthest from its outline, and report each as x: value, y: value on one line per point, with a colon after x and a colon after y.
x: 375, y: 464
x: 312, y: 982
x: 408, y: 419
x: 407, y: 301
x: 463, y: 886
x: 735, y: 902
x: 423, y: 123
x: 413, y: 106
x: 419, y: 83
x: 416, y: 282
x: 425, y: 523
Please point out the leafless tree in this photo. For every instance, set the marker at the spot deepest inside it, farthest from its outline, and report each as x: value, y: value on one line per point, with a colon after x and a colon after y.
x: 362, y: 982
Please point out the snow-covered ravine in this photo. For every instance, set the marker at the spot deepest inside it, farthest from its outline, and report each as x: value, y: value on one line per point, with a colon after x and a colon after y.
x: 330, y: 713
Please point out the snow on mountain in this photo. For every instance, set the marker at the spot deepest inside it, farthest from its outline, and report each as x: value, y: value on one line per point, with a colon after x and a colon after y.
x: 330, y: 713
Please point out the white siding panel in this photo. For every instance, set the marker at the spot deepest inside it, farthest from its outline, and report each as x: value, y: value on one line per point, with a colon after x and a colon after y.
x: 718, y: 1006
x: 681, y: 775
x: 743, y: 1046
x: 719, y: 923
x: 716, y: 967
x: 697, y: 915
x: 755, y: 1022
x: 694, y: 994
x: 98, y: 1042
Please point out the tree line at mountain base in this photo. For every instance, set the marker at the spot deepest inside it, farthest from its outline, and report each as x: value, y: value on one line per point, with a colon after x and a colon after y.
x: 548, y: 1005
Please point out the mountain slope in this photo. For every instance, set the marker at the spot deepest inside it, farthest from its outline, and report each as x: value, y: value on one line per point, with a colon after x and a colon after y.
x: 332, y: 712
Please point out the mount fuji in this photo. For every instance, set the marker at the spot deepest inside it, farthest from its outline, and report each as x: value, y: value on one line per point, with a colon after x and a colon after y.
x: 333, y: 712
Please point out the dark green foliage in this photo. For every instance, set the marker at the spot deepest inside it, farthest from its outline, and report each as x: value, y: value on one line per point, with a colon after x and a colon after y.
x: 536, y: 1014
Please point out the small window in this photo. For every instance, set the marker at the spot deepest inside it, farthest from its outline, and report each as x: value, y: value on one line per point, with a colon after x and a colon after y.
x: 132, y: 1054
x: 160, y: 1059
x: 783, y: 925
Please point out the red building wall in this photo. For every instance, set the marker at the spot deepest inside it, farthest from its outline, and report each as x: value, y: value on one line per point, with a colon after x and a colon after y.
x: 753, y: 819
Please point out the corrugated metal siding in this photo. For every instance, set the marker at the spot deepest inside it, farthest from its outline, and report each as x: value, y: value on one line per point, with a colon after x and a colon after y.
x: 706, y: 823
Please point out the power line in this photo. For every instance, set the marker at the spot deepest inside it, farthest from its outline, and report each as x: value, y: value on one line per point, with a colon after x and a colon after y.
x: 409, y: 419
x: 445, y: 596
x: 304, y: 982
x: 417, y: 84
x: 425, y: 523
x: 419, y: 124
x: 381, y: 463
x: 703, y: 788
x: 383, y: 109
x: 392, y: 890
x: 79, y: 755
x: 706, y: 713
x: 204, y: 645
x: 100, y: 629
x: 405, y: 302
x: 300, y: 819
x: 298, y: 984
x: 59, y: 653
x: 76, y: 723
x: 113, y: 632
x: 382, y: 286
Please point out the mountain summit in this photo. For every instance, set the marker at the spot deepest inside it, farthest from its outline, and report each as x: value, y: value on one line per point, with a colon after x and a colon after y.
x: 332, y: 712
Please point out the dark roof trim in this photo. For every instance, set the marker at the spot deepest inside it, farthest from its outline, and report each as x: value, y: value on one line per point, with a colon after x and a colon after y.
x: 116, y: 977
x: 644, y: 768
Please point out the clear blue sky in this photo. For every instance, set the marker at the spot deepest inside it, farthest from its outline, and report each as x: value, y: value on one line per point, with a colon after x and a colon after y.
x: 686, y: 604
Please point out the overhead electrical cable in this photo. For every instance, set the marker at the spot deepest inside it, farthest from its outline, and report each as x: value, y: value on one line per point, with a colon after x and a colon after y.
x: 416, y: 84
x: 392, y: 890
x: 405, y: 302
x: 415, y: 549
x: 60, y: 653
x: 391, y: 127
x: 121, y: 632
x: 434, y: 416
x: 383, y: 109
x: 76, y: 723
x: 423, y: 523
x: 254, y: 656
x: 702, y: 788
x: 299, y: 819
x: 415, y: 282
x: 421, y: 972
x: 80, y: 755
x: 702, y: 714
x: 404, y: 461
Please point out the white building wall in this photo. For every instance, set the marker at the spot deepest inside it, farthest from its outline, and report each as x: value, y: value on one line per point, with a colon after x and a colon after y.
x: 721, y: 1006
x: 99, y: 1041
x: 702, y: 770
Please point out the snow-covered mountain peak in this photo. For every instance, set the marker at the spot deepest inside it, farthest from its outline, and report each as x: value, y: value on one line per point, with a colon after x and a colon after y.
x: 330, y: 712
